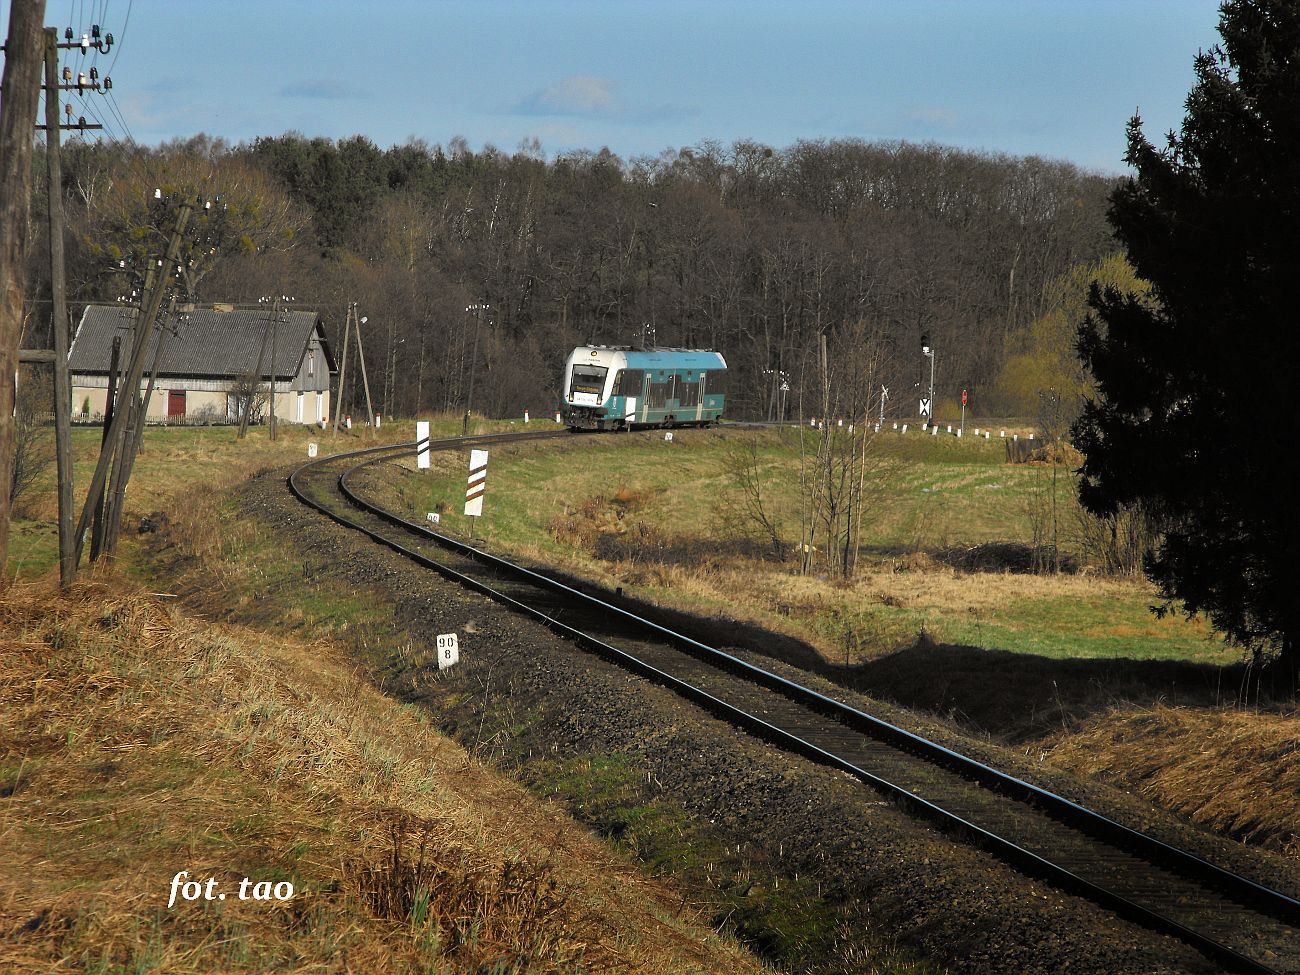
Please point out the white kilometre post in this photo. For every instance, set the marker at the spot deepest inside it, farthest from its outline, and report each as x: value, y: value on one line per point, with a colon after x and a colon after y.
x: 422, y: 444
x: 478, y: 460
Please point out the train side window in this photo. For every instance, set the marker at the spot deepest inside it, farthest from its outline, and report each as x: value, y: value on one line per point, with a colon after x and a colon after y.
x: 715, y: 381
x: 628, y: 382
x: 689, y: 393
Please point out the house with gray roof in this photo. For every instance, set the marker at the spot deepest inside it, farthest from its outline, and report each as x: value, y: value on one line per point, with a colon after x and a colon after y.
x: 208, y: 359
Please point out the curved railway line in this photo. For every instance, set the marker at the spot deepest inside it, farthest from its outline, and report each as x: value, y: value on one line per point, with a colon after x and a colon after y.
x: 1240, y: 925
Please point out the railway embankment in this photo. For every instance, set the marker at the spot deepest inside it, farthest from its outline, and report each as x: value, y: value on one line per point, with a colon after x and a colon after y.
x: 804, y: 861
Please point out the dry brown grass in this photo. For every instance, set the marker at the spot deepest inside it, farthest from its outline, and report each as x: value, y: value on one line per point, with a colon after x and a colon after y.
x: 1234, y: 771
x: 136, y: 742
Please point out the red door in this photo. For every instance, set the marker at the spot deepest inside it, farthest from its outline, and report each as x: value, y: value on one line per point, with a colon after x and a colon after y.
x: 175, y: 403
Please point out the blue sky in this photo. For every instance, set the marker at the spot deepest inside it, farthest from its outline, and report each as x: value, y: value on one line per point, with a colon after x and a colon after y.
x: 1056, y: 78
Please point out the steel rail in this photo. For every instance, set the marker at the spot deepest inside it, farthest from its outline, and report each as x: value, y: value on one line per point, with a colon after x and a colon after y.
x: 1253, y: 895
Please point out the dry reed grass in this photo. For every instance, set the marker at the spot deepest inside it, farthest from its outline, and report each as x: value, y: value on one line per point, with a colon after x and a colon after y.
x: 1234, y: 771
x: 136, y: 742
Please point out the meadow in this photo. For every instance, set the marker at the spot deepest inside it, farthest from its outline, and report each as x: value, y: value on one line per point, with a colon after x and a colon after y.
x: 658, y: 518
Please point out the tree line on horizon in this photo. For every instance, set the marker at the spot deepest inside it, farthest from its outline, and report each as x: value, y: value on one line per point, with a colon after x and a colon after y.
x: 747, y: 249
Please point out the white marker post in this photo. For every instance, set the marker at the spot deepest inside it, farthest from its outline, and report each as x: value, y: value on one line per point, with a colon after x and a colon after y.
x: 477, y: 484
x: 432, y: 517
x: 312, y: 449
x: 448, y: 650
x: 422, y: 444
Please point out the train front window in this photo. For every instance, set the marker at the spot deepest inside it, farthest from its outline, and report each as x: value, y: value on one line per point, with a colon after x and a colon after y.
x: 588, y: 379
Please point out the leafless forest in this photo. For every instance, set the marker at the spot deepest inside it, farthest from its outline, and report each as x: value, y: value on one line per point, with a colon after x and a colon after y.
x: 752, y: 250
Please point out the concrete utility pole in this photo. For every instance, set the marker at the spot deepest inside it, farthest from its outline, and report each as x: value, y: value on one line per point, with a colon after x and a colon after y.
x: 19, y: 93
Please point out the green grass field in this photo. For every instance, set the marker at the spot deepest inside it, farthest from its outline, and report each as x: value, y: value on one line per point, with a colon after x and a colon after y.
x: 648, y: 515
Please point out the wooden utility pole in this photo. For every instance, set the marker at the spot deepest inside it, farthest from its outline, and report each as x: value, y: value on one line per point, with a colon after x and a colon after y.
x: 353, y: 322
x: 343, y: 369
x: 97, y: 525
x: 257, y: 373
x: 59, y: 313
x: 19, y: 93
x: 365, y: 382
x: 131, y: 381
x: 275, y: 322
x: 135, y: 437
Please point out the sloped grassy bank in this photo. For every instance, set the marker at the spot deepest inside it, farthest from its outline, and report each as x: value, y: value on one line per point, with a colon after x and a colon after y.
x: 137, y: 741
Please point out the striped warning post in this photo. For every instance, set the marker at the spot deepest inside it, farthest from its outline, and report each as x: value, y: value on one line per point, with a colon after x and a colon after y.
x: 477, y: 483
x: 422, y: 444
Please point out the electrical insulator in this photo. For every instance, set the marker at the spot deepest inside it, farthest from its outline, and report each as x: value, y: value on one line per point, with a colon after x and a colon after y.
x: 81, y: 121
x: 94, y: 31
x: 67, y: 73
x: 85, y: 42
x: 94, y: 73
x: 67, y: 110
x: 67, y: 33
x: 108, y: 84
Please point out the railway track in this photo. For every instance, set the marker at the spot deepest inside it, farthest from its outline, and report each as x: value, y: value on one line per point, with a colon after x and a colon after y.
x: 1241, y: 925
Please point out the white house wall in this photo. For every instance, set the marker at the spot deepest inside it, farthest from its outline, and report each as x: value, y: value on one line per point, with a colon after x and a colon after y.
x: 203, y: 398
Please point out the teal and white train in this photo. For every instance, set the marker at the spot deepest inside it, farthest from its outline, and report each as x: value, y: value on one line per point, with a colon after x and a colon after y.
x: 609, y: 387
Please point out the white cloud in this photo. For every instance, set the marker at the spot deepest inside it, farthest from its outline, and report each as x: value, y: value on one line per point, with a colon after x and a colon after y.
x: 933, y: 116
x: 579, y: 94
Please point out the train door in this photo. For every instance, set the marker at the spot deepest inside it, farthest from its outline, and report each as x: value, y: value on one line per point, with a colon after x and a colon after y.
x: 645, y: 396
x: 699, y: 398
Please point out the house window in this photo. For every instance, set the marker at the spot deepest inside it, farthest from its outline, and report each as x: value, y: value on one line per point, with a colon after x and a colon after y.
x: 320, y: 407
x: 311, y: 362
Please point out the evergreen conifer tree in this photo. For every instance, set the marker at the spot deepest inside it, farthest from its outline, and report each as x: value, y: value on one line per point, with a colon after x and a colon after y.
x: 1198, y: 394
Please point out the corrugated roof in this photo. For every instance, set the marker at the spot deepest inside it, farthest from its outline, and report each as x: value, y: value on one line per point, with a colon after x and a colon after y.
x: 205, y: 342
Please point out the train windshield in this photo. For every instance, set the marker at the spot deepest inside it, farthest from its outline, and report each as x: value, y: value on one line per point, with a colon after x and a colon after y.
x: 588, y: 379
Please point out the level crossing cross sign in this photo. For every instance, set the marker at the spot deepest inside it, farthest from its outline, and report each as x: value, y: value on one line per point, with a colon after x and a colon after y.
x: 925, y: 407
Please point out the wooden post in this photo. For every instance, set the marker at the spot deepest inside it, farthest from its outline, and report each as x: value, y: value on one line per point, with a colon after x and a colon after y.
x: 97, y: 526
x: 59, y: 313
x: 131, y: 382
x: 135, y: 435
x: 257, y: 372
x: 361, y: 358
x: 19, y: 95
x: 275, y: 322
x: 343, y: 369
